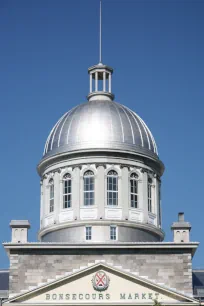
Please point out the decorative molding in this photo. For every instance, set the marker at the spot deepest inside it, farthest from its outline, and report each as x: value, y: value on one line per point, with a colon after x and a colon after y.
x: 100, y: 165
x: 77, y: 166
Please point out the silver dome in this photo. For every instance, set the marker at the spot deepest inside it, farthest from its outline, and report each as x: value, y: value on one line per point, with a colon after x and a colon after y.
x: 100, y: 125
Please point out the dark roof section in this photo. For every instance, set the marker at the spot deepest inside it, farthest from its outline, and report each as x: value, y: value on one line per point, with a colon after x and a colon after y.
x: 198, y: 284
x: 4, y: 280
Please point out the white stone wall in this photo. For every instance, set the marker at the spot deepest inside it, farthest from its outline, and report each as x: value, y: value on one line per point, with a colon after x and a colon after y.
x: 100, y: 210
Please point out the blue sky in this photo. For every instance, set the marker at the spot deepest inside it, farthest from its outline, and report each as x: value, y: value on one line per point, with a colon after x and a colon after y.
x: 156, y: 49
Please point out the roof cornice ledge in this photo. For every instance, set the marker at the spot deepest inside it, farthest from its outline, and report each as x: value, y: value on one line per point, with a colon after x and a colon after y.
x: 191, y: 246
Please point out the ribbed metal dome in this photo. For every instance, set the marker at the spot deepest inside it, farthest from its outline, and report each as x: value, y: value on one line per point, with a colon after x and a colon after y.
x: 100, y: 125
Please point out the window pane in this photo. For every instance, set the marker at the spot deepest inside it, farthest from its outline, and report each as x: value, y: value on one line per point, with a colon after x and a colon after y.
x: 88, y: 188
x: 112, y: 232
x: 67, y: 190
x: 134, y: 190
x: 112, y: 188
x: 51, y: 208
x: 149, y: 195
x: 88, y: 233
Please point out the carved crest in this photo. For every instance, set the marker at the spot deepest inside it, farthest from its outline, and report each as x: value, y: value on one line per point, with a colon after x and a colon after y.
x: 100, y: 281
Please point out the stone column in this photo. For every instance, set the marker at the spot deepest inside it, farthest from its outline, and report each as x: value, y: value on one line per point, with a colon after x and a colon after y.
x: 57, y: 192
x: 41, y: 203
x: 96, y: 81
x: 47, y: 197
x: 104, y: 81
x: 160, y: 204
x: 125, y: 193
x: 120, y: 186
x: 91, y: 83
x: 109, y: 81
x: 140, y: 191
x: 156, y: 202
x: 61, y: 193
x: 145, y: 198
x: 100, y: 192
x: 76, y: 190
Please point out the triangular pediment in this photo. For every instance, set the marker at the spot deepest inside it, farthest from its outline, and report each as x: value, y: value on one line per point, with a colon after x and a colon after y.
x: 101, y: 284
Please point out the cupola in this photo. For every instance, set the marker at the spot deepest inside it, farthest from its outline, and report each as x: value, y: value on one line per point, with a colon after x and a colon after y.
x: 100, y: 172
x: 100, y: 82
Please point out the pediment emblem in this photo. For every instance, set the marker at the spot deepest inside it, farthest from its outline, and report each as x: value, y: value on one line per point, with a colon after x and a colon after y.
x: 100, y: 280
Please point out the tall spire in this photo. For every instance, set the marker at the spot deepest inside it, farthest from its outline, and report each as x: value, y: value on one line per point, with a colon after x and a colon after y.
x: 100, y: 75
x: 100, y: 35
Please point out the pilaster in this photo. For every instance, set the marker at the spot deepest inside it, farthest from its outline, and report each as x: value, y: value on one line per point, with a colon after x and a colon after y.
x: 157, y: 201
x: 56, y: 196
x: 125, y: 192
x: 41, y: 202
x: 100, y: 191
x: 76, y: 192
x: 145, y: 199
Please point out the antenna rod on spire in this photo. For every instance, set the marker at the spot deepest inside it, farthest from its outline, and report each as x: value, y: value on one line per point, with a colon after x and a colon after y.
x: 100, y: 38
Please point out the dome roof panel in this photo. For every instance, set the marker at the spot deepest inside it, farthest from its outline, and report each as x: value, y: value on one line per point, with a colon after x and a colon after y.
x: 100, y: 125
x: 114, y: 121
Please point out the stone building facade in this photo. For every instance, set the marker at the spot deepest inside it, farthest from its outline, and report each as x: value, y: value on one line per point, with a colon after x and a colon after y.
x: 100, y: 237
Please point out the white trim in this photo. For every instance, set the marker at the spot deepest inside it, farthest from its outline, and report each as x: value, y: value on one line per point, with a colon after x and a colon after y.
x: 88, y: 168
x: 112, y: 167
x: 120, y: 245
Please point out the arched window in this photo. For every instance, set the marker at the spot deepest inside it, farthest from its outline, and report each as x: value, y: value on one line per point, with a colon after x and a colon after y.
x: 51, y: 187
x: 67, y: 190
x: 88, y: 188
x: 149, y: 194
x: 134, y: 190
x: 112, y: 188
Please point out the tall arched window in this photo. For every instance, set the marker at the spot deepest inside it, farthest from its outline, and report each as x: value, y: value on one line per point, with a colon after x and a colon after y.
x: 134, y: 190
x: 88, y: 188
x: 67, y: 190
x: 51, y: 190
x: 149, y: 194
x: 112, y: 188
